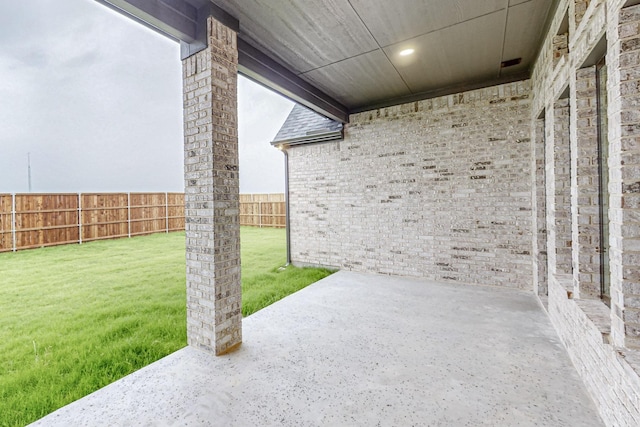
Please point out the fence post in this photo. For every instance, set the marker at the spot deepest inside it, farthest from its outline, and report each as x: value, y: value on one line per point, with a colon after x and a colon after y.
x: 166, y: 210
x: 260, y: 214
x: 129, y: 214
x: 80, y: 218
x: 13, y: 222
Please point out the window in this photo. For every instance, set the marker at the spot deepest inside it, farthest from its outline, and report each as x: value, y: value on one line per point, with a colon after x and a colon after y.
x: 603, y: 173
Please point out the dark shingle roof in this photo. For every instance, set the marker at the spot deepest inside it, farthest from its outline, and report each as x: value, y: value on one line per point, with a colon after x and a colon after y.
x: 304, y: 126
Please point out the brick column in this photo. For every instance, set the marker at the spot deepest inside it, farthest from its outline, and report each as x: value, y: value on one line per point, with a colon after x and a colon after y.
x: 214, y: 318
x: 623, y: 65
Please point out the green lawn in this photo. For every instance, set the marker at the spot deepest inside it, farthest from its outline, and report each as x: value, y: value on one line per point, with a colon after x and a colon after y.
x: 75, y: 318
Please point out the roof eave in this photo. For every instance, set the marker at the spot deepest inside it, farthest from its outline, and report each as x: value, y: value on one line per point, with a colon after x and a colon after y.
x: 310, y: 139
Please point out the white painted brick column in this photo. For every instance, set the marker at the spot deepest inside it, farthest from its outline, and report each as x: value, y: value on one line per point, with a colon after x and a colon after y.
x: 214, y: 318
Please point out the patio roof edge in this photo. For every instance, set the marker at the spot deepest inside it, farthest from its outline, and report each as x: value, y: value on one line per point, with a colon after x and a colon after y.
x: 310, y: 139
x: 261, y: 68
x: 435, y: 93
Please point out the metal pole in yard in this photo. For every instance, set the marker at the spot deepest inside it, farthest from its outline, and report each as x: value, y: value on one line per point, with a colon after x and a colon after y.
x: 13, y: 222
x: 29, y: 169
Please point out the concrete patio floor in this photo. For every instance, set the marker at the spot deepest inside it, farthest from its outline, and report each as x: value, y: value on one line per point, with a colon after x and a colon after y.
x: 359, y: 349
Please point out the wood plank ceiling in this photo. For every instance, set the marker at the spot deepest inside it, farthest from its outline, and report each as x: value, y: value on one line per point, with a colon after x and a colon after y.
x: 350, y: 49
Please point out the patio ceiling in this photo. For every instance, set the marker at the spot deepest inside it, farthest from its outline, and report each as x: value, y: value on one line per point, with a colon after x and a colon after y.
x: 343, y: 56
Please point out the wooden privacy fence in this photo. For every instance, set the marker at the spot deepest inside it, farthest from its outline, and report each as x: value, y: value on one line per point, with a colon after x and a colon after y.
x: 38, y: 220
x: 263, y: 210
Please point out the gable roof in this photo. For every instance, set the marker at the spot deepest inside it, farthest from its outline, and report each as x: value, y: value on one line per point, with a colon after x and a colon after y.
x: 304, y: 126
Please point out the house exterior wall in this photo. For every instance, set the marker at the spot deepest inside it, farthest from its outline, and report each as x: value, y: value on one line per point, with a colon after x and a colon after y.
x: 500, y: 186
x: 439, y: 188
x: 602, y: 341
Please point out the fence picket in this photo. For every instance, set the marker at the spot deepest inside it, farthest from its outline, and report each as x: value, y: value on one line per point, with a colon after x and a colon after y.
x: 39, y: 220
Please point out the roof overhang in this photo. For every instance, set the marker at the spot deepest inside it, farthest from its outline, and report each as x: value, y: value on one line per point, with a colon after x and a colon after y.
x: 339, y: 57
x: 257, y: 66
x: 310, y: 139
x: 185, y: 22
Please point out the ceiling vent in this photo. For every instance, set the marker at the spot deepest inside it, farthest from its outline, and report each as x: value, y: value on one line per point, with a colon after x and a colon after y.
x: 510, y: 62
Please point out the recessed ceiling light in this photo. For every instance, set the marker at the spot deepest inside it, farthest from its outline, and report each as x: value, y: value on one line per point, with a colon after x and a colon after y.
x: 406, y: 52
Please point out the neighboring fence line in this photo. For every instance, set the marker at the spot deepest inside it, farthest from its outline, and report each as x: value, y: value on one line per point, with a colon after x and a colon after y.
x: 263, y: 210
x: 38, y: 220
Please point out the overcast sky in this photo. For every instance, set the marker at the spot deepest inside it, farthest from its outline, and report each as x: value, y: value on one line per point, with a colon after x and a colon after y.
x: 97, y: 100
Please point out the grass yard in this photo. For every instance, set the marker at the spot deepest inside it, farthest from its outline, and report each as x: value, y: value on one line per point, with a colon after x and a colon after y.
x: 75, y: 318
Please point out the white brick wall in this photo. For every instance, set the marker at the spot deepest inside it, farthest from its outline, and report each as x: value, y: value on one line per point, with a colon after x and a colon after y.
x: 439, y: 188
x: 600, y: 341
x: 608, y: 377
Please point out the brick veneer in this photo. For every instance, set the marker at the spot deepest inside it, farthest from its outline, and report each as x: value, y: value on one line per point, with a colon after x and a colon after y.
x: 439, y: 188
x: 214, y: 319
x: 625, y: 187
x: 602, y: 342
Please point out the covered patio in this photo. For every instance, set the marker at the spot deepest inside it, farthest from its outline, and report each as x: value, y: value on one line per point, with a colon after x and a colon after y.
x: 363, y: 349
x: 478, y: 143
